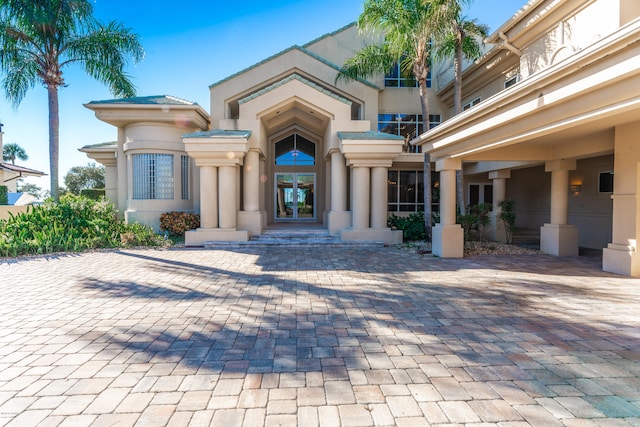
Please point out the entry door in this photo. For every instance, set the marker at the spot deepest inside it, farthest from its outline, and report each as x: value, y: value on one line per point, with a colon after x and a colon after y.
x: 295, y: 196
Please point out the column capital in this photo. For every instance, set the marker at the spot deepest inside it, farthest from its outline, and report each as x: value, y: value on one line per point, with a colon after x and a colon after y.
x: 448, y: 164
x: 501, y: 174
x: 560, y: 165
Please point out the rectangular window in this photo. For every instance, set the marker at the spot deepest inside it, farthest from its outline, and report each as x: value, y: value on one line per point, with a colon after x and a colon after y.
x: 152, y: 176
x: 470, y: 104
x: 395, y: 78
x: 184, y: 175
x: 605, y: 182
x: 480, y: 193
x: 407, y: 125
x: 511, y: 81
x: 406, y: 191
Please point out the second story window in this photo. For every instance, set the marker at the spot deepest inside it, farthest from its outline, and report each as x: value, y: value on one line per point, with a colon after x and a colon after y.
x: 407, y: 125
x: 470, y: 104
x: 394, y: 78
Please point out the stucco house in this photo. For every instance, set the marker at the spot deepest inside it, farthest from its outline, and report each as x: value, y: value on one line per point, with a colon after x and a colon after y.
x: 552, y: 115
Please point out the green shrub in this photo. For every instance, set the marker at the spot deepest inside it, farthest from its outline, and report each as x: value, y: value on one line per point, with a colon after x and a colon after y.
x: 412, y: 226
x: 476, y: 221
x: 176, y: 223
x: 508, y: 218
x: 93, y: 193
x: 73, y: 224
x: 4, y: 196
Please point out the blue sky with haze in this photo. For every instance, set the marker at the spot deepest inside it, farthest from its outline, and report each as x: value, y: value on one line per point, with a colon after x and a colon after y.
x: 187, y: 48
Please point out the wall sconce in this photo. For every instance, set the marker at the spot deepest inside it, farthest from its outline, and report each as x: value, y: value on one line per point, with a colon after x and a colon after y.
x: 575, y: 189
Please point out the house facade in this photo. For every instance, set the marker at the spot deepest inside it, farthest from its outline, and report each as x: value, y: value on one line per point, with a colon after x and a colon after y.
x: 551, y: 117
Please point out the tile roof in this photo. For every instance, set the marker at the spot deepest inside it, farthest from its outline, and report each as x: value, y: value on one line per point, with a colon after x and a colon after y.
x: 368, y: 135
x: 147, y: 100
x: 219, y: 133
x: 20, y: 169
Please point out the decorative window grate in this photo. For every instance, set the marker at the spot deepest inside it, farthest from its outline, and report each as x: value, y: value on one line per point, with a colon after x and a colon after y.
x: 184, y: 175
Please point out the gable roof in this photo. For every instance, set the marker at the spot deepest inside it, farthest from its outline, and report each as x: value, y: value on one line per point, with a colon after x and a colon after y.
x: 288, y: 79
x: 20, y: 169
x: 292, y: 48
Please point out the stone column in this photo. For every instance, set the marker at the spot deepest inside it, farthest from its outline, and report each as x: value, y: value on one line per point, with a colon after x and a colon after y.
x: 338, y: 182
x: 227, y: 190
x: 559, y: 238
x: 361, y: 186
x: 499, y: 179
x: 338, y: 218
x: 621, y: 256
x: 448, y: 237
x: 251, y: 181
x: 208, y: 197
x: 379, y: 187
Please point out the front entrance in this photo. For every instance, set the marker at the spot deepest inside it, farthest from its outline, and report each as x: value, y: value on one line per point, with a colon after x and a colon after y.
x: 295, y: 196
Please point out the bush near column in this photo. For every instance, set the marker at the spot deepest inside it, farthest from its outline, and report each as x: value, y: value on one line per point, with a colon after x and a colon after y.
x: 177, y: 223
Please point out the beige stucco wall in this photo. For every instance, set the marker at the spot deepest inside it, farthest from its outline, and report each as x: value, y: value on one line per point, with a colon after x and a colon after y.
x: 5, y: 211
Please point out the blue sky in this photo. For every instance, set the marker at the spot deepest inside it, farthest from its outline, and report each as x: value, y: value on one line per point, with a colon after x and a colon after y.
x: 187, y: 49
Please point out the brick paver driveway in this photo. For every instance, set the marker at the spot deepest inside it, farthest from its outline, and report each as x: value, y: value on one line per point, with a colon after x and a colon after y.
x: 316, y: 336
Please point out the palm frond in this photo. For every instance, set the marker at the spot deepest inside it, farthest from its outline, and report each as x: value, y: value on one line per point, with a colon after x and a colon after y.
x: 365, y: 63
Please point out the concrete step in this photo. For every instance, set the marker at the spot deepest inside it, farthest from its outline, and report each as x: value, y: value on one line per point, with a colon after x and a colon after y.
x: 292, y: 237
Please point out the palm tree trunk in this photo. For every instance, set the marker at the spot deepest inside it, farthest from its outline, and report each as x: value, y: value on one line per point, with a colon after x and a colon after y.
x: 54, y: 138
x: 457, y: 89
x: 424, y: 103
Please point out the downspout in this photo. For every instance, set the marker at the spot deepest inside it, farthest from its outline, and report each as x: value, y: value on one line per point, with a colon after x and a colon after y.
x: 509, y: 46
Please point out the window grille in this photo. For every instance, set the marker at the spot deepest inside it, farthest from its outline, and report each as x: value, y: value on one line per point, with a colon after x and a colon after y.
x: 184, y: 174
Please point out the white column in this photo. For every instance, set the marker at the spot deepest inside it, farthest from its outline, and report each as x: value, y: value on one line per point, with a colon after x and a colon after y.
x: 361, y: 187
x: 448, y: 237
x: 227, y: 191
x: 251, y: 181
x: 338, y: 182
x: 208, y: 197
x: 499, y: 179
x: 379, y: 189
x: 447, y: 197
x: 559, y: 238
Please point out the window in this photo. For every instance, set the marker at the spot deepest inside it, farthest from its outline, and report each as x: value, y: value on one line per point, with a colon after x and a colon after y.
x: 407, y: 125
x: 470, y: 104
x: 295, y: 150
x: 184, y: 174
x: 152, y: 176
x: 406, y: 191
x: 605, y: 182
x: 394, y: 78
x: 480, y: 193
x: 511, y: 81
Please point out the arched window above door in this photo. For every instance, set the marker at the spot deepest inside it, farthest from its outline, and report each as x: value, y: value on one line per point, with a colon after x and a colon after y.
x: 295, y: 150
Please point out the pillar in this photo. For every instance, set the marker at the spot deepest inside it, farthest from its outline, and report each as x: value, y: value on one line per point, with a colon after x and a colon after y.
x: 227, y: 191
x: 208, y: 197
x: 338, y: 217
x: 361, y: 186
x: 499, y: 180
x: 251, y: 181
x: 379, y: 188
x: 558, y: 237
x: 448, y: 237
x: 621, y: 256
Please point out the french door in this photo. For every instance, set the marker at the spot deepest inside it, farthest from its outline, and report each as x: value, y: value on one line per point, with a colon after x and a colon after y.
x: 295, y: 197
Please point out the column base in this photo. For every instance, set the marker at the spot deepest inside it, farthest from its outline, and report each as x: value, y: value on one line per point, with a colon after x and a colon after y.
x: 559, y: 239
x: 200, y: 236
x: 385, y: 235
x: 338, y: 220
x: 251, y: 221
x: 621, y: 259
x: 448, y: 241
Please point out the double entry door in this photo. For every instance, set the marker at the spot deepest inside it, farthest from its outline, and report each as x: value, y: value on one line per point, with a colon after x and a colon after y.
x: 295, y: 196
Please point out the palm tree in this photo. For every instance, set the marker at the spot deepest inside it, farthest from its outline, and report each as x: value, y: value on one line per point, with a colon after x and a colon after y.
x: 406, y: 28
x: 39, y: 38
x: 11, y: 152
x: 457, y: 37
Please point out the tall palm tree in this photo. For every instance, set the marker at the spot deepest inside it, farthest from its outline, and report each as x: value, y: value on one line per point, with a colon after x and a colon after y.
x: 39, y: 38
x: 406, y: 28
x: 460, y: 38
x: 11, y: 152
